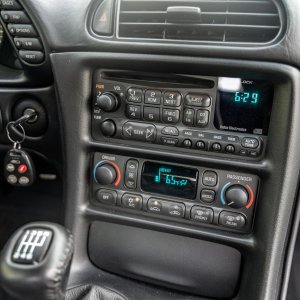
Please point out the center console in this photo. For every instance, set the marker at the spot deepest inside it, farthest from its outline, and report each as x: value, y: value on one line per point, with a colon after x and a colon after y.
x: 212, y: 116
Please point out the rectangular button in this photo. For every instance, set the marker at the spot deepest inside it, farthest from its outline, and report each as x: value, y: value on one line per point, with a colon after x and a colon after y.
x: 132, y: 201
x: 139, y: 131
x: 202, y: 118
x: 131, y: 173
x: 32, y: 57
x: 176, y: 210
x: 199, y: 100
x: 202, y: 214
x: 171, y: 116
x: 133, y: 112
x: 151, y: 114
x: 169, y: 141
x: 17, y: 17
x: 172, y: 99
x: 232, y: 220
x: 188, y: 117
x: 22, y: 30
x: 170, y: 131
x: 152, y: 97
x: 207, y: 196
x: 134, y: 95
x: 10, y: 4
x: 106, y: 197
x: 28, y: 43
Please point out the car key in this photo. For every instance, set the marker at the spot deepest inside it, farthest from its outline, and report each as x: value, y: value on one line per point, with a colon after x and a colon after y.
x: 18, y: 167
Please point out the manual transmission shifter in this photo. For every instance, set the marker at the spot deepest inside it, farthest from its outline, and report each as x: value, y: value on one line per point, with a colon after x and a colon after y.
x: 35, y: 262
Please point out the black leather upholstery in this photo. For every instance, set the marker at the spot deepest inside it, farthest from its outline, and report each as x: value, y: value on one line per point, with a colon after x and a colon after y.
x: 91, y: 292
x: 42, y: 281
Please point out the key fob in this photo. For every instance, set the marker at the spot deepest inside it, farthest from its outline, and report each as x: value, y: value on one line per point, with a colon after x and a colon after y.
x: 19, y: 168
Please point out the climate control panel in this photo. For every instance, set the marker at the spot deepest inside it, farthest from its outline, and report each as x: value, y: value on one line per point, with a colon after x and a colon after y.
x: 189, y: 194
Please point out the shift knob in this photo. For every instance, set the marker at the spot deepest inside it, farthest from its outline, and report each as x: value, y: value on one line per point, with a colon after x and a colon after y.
x: 34, y: 264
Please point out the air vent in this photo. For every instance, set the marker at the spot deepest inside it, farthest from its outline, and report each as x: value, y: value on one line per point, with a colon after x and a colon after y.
x: 225, y: 21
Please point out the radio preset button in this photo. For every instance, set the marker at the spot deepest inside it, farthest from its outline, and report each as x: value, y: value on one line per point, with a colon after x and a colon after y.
x: 131, y: 173
x: 202, y: 214
x: 251, y: 143
x: 188, y: 117
x: 151, y: 114
x: 172, y: 99
x: 187, y: 143
x: 134, y: 95
x: 202, y: 118
x: 176, y: 209
x: 216, y: 147
x: 155, y: 206
x: 106, y: 197
x: 152, y: 97
x: 210, y: 178
x: 132, y: 201
x: 200, y: 100
x: 207, y: 196
x: 171, y: 116
x: 169, y: 141
x: 170, y: 131
x: 133, y: 111
x: 139, y: 131
x: 232, y: 220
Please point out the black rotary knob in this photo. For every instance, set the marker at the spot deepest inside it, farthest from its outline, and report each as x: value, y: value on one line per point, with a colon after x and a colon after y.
x: 108, y: 102
x: 106, y: 174
x: 236, y: 196
x: 108, y: 128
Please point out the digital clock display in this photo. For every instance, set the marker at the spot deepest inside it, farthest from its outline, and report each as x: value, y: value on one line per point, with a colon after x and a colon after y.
x: 169, y: 180
x: 243, y: 105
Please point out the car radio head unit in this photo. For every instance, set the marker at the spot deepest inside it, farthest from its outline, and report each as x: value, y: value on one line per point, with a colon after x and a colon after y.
x: 206, y: 115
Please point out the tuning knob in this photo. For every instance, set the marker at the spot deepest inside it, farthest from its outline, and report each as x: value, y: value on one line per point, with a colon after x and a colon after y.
x: 105, y: 174
x: 236, y: 196
x: 108, y: 102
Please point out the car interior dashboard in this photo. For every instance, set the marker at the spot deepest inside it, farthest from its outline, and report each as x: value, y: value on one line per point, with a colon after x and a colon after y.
x: 152, y: 149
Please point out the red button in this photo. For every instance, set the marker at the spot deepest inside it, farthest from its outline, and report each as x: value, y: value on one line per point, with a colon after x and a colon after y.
x: 22, y: 169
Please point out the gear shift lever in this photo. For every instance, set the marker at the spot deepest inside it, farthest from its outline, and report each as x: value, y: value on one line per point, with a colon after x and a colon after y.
x: 34, y: 264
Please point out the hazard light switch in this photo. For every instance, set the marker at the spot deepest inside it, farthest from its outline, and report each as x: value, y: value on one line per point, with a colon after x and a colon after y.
x: 103, y: 18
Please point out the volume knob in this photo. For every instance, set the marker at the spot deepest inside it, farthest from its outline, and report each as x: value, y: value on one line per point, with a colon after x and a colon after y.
x: 106, y: 174
x: 108, y: 102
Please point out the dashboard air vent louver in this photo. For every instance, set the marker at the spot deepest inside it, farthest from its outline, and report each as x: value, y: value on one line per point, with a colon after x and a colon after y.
x: 225, y: 21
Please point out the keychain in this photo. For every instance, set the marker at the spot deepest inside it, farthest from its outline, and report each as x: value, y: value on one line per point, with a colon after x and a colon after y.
x: 18, y: 166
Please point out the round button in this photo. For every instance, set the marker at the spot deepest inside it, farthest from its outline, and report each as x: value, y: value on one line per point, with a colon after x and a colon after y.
x: 236, y: 196
x: 22, y: 169
x: 230, y: 149
x: 108, y: 128
x: 216, y: 147
x: 10, y: 168
x: 200, y: 145
x: 106, y: 174
x: 187, y: 143
x: 108, y: 102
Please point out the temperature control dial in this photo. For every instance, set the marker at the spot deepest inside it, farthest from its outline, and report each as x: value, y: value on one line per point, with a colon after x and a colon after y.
x: 107, y: 173
x: 108, y: 102
x: 236, y: 196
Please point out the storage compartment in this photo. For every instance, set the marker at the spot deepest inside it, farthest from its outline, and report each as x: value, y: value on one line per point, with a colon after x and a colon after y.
x: 195, y: 266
